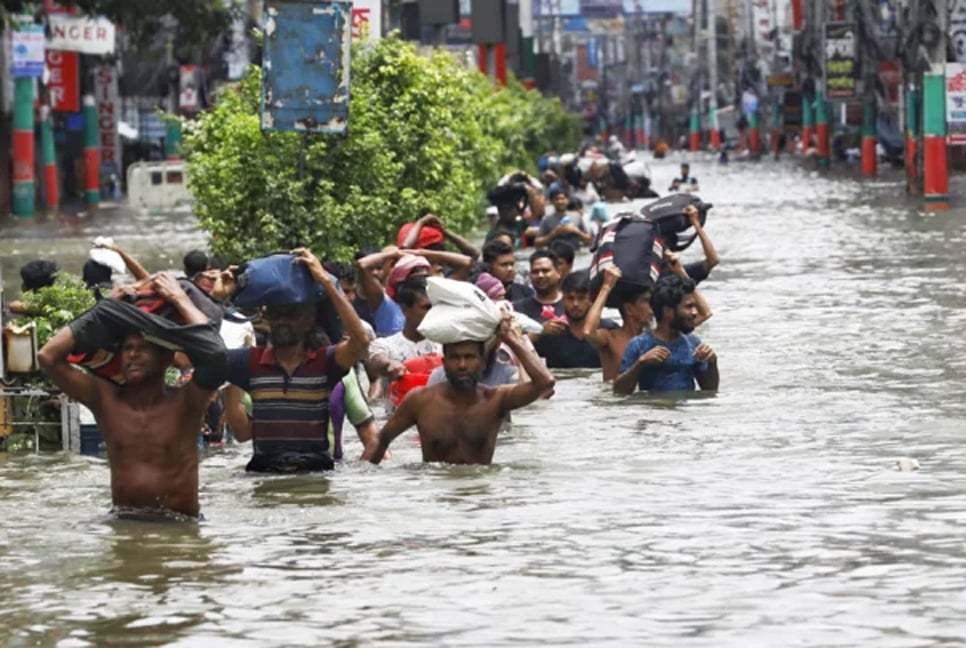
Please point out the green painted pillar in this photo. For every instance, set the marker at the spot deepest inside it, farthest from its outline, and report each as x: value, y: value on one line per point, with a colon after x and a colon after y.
x: 695, y: 129
x: 92, y: 155
x: 51, y: 189
x: 912, y: 138
x: 172, y: 139
x: 23, y: 147
x: 821, y: 129
x: 934, y: 161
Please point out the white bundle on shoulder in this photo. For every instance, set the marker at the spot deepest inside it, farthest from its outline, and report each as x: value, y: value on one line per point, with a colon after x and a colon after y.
x: 461, y: 312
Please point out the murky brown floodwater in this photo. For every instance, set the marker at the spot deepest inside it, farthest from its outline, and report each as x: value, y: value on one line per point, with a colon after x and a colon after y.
x: 770, y: 515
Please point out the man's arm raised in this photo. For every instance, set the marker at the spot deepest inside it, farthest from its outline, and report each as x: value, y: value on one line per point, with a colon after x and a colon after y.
x: 592, y: 332
x: 541, y: 380
x: 401, y: 420
x: 351, y: 350
x: 206, y: 351
x: 369, y: 287
x: 77, y: 384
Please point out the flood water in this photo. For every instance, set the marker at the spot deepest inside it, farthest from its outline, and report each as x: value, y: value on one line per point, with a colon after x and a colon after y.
x: 771, y: 514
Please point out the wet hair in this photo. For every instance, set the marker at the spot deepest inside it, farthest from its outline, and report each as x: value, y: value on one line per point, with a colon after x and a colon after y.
x: 94, y: 273
x: 563, y: 251
x: 343, y: 271
x: 556, y: 191
x: 668, y: 292
x: 630, y: 298
x: 575, y: 204
x: 496, y: 249
x: 37, y: 274
x: 215, y: 263
x: 543, y: 254
x: 365, y: 251
x: 576, y: 282
x: 410, y: 290
x: 480, y: 345
x: 194, y: 262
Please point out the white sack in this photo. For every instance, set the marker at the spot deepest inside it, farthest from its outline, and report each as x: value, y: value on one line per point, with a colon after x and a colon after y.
x: 461, y: 312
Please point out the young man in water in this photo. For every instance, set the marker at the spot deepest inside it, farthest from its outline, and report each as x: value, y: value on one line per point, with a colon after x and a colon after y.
x: 458, y: 420
x: 151, y: 430
x: 635, y: 310
x: 686, y: 181
x: 500, y: 261
x: 671, y: 357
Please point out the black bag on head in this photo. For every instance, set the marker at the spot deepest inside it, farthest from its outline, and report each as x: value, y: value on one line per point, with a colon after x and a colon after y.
x: 670, y: 221
x: 635, y: 243
x: 630, y: 242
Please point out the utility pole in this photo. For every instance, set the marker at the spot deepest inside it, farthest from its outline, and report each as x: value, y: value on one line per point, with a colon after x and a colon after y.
x: 869, y: 74
x: 713, y: 76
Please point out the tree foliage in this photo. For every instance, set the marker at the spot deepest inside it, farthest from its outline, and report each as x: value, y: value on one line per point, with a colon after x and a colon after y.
x: 55, y: 306
x: 424, y: 133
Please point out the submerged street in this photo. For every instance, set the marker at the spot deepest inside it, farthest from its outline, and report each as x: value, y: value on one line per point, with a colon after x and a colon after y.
x: 771, y: 513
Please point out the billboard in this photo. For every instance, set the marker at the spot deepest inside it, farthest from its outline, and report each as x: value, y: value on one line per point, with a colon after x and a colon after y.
x: 840, y: 60
x: 305, y: 84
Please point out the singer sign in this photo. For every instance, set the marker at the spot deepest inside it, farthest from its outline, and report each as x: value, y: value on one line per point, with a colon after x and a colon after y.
x: 81, y: 34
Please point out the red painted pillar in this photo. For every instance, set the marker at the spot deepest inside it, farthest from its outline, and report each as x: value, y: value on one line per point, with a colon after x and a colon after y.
x: 912, y: 135
x: 869, y: 161
x: 499, y: 61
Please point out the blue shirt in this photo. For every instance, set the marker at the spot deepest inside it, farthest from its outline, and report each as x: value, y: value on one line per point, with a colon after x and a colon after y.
x: 388, y: 318
x: 677, y: 373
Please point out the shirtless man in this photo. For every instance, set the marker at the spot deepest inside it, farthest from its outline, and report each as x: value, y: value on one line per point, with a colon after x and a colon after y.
x: 636, y: 316
x: 151, y: 430
x: 458, y: 420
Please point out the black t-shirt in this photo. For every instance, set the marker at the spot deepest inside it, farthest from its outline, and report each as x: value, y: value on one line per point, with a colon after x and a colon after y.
x: 563, y: 351
x: 517, y: 291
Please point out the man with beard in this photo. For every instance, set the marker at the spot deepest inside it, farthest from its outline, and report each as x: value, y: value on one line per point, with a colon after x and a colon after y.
x: 635, y: 310
x: 290, y: 381
x: 151, y: 430
x: 458, y: 420
x: 671, y: 357
x: 570, y: 348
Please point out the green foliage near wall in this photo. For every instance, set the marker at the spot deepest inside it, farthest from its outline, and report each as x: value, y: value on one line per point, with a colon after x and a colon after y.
x: 424, y: 133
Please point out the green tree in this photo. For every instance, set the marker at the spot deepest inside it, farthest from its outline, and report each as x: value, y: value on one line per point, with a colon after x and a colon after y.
x: 424, y: 133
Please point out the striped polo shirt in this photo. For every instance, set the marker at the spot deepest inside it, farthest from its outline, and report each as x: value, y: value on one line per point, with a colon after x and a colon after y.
x: 290, y: 413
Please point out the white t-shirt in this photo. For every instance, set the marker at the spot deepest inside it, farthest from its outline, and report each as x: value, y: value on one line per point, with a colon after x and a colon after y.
x: 400, y: 348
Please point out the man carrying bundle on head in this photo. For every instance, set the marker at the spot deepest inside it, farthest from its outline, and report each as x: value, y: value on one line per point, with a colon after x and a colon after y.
x: 151, y: 430
x: 290, y: 382
x: 458, y: 419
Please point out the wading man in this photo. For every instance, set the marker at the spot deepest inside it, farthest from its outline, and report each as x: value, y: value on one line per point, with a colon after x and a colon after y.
x: 458, y: 419
x: 151, y: 430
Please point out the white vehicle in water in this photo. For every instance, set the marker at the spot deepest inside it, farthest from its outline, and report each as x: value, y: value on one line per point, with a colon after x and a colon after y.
x: 159, y: 186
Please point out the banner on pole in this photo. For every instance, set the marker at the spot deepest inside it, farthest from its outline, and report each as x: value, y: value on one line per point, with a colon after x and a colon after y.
x: 107, y: 101
x: 840, y: 60
x: 956, y: 103
x: 28, y: 52
x: 63, y: 84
